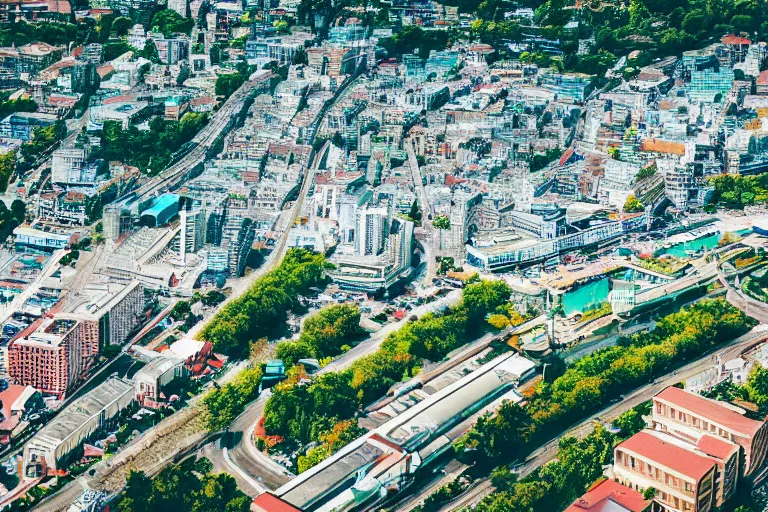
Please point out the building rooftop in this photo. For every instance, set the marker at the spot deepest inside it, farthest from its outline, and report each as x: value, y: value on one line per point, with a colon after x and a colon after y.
x: 268, y: 502
x: 716, y: 447
x: 157, y: 367
x: 669, y: 455
x: 186, y: 347
x: 723, y: 414
x: 79, y: 412
x: 610, y: 496
x: 732, y: 39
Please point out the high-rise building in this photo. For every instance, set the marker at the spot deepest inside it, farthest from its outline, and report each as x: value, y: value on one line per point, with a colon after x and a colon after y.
x: 116, y: 221
x: 171, y: 51
x: 67, y: 165
x: 192, y: 231
x: 687, y: 414
x: 371, y: 231
x: 684, y: 479
x: 114, y: 307
x: 56, y: 356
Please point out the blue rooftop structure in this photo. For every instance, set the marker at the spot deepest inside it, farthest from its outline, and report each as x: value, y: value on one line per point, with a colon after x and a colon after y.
x: 163, y: 209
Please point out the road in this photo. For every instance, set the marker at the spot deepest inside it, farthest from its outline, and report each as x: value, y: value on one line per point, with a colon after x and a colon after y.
x: 278, y: 253
x: 749, y: 306
x: 548, y: 452
x: 159, y: 444
x: 428, y: 239
x: 203, y: 141
x: 243, y: 457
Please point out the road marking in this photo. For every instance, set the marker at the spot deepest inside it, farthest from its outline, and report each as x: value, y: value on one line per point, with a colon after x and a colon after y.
x: 256, y: 485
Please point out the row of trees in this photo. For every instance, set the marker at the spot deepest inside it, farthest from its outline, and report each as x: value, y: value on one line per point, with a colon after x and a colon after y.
x: 602, y: 376
x: 733, y: 191
x: 263, y: 309
x: 42, y: 139
x: 224, y: 404
x: 168, y: 22
x: 555, y: 485
x: 149, y: 150
x: 189, y: 485
x: 413, y: 38
x: 307, y: 412
x: 327, y: 333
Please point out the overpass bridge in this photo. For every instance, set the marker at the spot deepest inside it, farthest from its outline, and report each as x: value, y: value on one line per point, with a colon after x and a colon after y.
x: 735, y: 295
x: 625, y: 298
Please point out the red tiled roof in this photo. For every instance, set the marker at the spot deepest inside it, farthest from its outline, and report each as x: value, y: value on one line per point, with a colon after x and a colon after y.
x: 734, y: 40
x: 104, y: 70
x: 763, y: 78
x: 451, y: 180
x: 711, y: 410
x: 9, y: 396
x: 716, y: 447
x: 668, y: 455
x: 663, y: 146
x: 122, y: 98
x: 203, y: 100
x: 268, y: 502
x: 606, y: 491
x: 565, y: 156
x: 92, y: 451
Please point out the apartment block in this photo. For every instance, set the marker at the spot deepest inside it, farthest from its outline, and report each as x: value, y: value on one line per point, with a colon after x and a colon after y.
x: 54, y: 357
x: 30, y: 58
x: 691, y: 416
x: 684, y: 480
x: 115, y: 308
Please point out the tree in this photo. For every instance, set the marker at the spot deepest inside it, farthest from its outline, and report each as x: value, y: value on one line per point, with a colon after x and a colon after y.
x: 149, y: 52
x: 188, y: 485
x: 649, y: 493
x: 638, y: 13
x: 289, y: 352
x: 137, y: 493
x: 7, y: 167
x: 502, y: 435
x: 180, y: 310
x: 341, y: 434
x: 183, y: 75
x: 415, y: 213
x: 281, y: 26
x: 633, y: 204
x: 227, y: 84
x: 18, y: 210
x: 121, y: 25
x: 300, y: 57
x: 757, y: 385
x: 330, y: 328
x: 338, y: 140
x: 224, y: 404
x: 114, y: 49
x: 169, y: 22
x: 441, y: 223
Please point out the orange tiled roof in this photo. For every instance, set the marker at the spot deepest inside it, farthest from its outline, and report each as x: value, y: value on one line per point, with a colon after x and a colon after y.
x: 663, y: 146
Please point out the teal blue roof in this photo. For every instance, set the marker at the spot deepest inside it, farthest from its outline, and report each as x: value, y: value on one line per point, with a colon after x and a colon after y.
x: 161, y: 204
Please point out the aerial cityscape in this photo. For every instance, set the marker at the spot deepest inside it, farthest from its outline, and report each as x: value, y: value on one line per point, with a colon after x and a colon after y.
x: 384, y: 255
